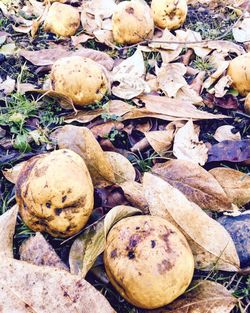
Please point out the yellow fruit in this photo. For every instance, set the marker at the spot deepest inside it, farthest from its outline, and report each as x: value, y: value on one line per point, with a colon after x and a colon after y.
x: 54, y: 193
x: 239, y: 71
x: 132, y: 22
x: 170, y: 14
x: 62, y: 20
x: 148, y: 261
x: 81, y: 79
x: 247, y: 104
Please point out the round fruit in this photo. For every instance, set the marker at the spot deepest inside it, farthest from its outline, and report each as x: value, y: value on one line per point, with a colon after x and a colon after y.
x: 148, y: 261
x: 239, y: 71
x: 81, y: 79
x: 62, y: 20
x: 170, y: 14
x: 132, y: 22
x: 54, y: 193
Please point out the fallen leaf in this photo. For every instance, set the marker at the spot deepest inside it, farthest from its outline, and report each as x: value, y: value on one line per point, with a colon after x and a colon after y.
x: 102, y: 130
x: 187, y: 145
x: 7, y: 230
x: 225, y: 133
x: 175, y: 108
x: 91, y: 242
x: 230, y: 150
x: 133, y: 192
x: 77, y: 40
x: 236, y: 184
x: 36, y: 250
x: 160, y: 140
x: 239, y: 229
x: 122, y: 168
x: 8, y: 49
x: 222, y: 86
x: 128, y: 77
x: 198, y: 185
x: 211, y: 244
x: 202, y: 296
x: 49, y: 56
x: 83, y: 142
x: 12, y: 173
x: 241, y: 31
x: 53, y: 290
x: 8, y: 85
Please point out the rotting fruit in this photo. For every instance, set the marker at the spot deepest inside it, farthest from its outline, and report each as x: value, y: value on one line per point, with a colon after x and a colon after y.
x: 132, y: 22
x: 54, y: 193
x: 239, y: 71
x: 148, y: 261
x: 170, y: 14
x: 81, y: 79
x: 62, y: 20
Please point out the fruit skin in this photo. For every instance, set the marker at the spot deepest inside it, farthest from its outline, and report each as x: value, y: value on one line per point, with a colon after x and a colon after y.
x: 62, y: 20
x: 54, y: 193
x: 132, y: 22
x: 148, y: 261
x: 170, y: 14
x: 81, y: 79
x: 239, y: 71
x: 247, y: 104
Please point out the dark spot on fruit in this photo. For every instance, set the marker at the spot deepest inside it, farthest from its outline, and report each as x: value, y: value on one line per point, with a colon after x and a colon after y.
x: 130, y: 10
x: 138, y: 227
x: 64, y: 198
x: 48, y: 204
x: 58, y: 211
x: 113, y: 254
x: 139, y: 273
x: 164, y: 266
x: 131, y: 255
x: 153, y: 243
x: 133, y: 241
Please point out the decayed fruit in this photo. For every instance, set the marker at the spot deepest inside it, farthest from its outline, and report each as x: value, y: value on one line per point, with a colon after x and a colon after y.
x: 62, y: 20
x: 247, y: 104
x: 81, y: 79
x: 170, y: 14
x: 239, y: 71
x: 132, y: 22
x: 148, y: 261
x: 54, y: 193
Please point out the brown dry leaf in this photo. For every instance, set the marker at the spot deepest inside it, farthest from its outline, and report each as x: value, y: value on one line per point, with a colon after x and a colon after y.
x: 133, y: 192
x: 160, y: 140
x: 128, y: 77
x: 53, y: 290
x: 204, y: 296
x: 235, y: 184
x: 12, y: 173
x: 36, y: 250
x: 7, y: 230
x: 49, y: 56
x: 221, y: 87
x: 198, y: 185
x: 102, y: 130
x: 76, y: 40
x: 186, y: 93
x: 83, y: 142
x: 225, y: 46
x: 187, y: 145
x: 175, y: 108
x: 170, y: 78
x: 211, y: 244
x: 122, y: 168
x: 225, y: 133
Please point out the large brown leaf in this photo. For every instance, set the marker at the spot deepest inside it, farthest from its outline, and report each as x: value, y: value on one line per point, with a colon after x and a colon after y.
x: 47, y: 289
x: 235, y: 184
x: 198, y: 185
x: 211, y: 244
x: 82, y: 141
x: 204, y: 296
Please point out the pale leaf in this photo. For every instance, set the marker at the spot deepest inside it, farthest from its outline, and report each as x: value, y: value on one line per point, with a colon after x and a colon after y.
x: 12, y: 173
x: 53, y: 290
x: 211, y: 244
x: 236, y: 184
x: 241, y: 31
x: 160, y: 140
x: 187, y: 145
x: 225, y: 133
x: 8, y: 85
x: 7, y: 230
x: 198, y: 185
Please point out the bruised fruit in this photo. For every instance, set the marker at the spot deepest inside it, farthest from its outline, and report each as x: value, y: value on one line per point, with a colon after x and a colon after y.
x: 148, y: 261
x: 62, y: 20
x: 239, y: 71
x: 132, y: 22
x: 81, y: 79
x: 54, y: 193
x: 170, y: 14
